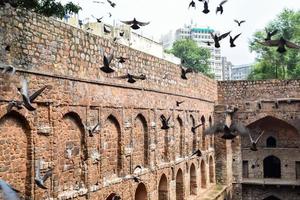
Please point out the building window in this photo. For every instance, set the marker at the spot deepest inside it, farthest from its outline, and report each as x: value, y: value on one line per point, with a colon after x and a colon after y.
x: 272, y: 167
x: 297, y: 169
x: 245, y: 168
x: 271, y: 142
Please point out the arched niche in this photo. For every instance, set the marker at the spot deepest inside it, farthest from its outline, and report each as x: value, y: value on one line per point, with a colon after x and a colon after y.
x: 193, y: 180
x: 140, y: 192
x: 179, y: 137
x: 211, y: 170
x: 179, y: 185
x: 272, y: 167
x: 203, y: 174
x: 163, y: 188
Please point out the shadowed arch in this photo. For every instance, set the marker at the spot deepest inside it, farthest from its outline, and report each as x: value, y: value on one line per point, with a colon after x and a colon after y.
x: 111, y: 196
x: 211, y: 170
x: 203, y: 174
x: 163, y: 137
x: 179, y: 185
x: 272, y: 167
x: 209, y: 121
x: 194, y: 135
x: 271, y: 142
x: 163, y: 188
x: 111, y: 147
x: 16, y: 167
x: 203, y: 135
x: 271, y: 198
x: 72, y: 150
x: 179, y: 137
x: 141, y: 144
x: 193, y: 180
x: 141, y: 192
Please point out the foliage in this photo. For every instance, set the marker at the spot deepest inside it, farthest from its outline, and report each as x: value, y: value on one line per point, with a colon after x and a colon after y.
x: 44, y: 7
x: 192, y: 56
x: 268, y: 59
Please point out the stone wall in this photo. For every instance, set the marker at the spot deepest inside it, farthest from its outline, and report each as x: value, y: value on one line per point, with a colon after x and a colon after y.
x: 67, y: 59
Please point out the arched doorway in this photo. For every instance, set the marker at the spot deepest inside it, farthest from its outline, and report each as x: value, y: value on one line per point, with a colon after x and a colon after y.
x: 203, y: 175
x: 193, y: 180
x: 272, y: 167
x: 140, y: 143
x: 211, y: 170
x: 271, y: 198
x: 179, y: 185
x: 163, y: 188
x: 16, y: 155
x: 141, y: 192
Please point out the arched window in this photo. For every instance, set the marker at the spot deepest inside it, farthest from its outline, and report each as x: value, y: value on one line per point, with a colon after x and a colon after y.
x: 163, y: 188
x: 141, y: 192
x: 271, y: 142
x: 179, y: 185
x: 272, y: 167
x: 193, y: 180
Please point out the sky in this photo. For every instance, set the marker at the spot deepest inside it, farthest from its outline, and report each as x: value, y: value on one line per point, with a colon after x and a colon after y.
x: 169, y: 15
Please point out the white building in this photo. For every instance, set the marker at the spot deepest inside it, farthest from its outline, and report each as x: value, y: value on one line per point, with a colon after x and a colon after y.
x: 241, y: 72
x: 202, y: 35
x: 226, y: 68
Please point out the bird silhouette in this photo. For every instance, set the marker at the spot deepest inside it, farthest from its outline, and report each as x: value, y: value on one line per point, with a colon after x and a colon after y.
x: 7, y: 48
x: 220, y: 7
x: 193, y: 129
x: 13, y: 103
x: 106, y: 62
x: 93, y: 129
x: 205, y: 10
x: 239, y: 22
x: 99, y: 20
x: 227, y: 130
x: 270, y: 34
x: 134, y: 24
x: 9, y: 69
x: 281, y: 44
x: 233, y: 39
x: 178, y: 103
x: 26, y: 99
x: 192, y: 4
x: 132, y: 78
x: 259, y: 105
x: 197, y: 153
x: 8, y: 192
x: 106, y: 30
x: 112, y: 4
x: 121, y: 34
x: 254, y: 142
x: 39, y: 180
x: 121, y: 59
x: 80, y: 23
x: 209, y: 43
x: 98, y: 2
x: 165, y: 122
x: 184, y: 72
x: 217, y: 38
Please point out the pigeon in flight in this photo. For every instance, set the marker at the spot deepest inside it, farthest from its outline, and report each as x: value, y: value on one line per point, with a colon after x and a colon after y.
x: 132, y: 78
x: 178, y: 103
x: 13, y: 103
x: 165, y: 122
x: 93, y: 129
x: 121, y: 59
x: 208, y: 42
x: 205, y: 10
x: 217, y: 38
x: 232, y: 39
x: 27, y: 100
x: 134, y: 24
x: 99, y: 20
x: 281, y: 44
x: 193, y: 129
x: 112, y: 4
x: 227, y: 130
x: 220, y: 7
x: 106, y: 29
x: 184, y: 72
x: 106, y: 62
x: 270, y: 34
x: 9, y: 69
x: 254, y: 142
x: 39, y: 180
x: 239, y: 22
x: 197, y: 153
x: 121, y: 34
x: 192, y: 4
x: 8, y: 192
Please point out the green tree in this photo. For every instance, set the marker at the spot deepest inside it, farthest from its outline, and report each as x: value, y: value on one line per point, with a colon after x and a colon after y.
x: 192, y: 56
x: 45, y: 7
x: 270, y: 64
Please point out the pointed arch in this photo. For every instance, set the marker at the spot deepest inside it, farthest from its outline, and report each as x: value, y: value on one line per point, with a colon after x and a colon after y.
x: 271, y: 198
x: 179, y: 137
x: 193, y: 180
x: 141, y: 192
x: 164, y: 143
x: 210, y: 121
x: 141, y: 144
x: 112, y: 196
x: 272, y: 167
x: 203, y: 174
x: 203, y: 135
x: 163, y: 193
x: 194, y: 135
x: 179, y: 185
x: 271, y: 142
x: 16, y: 168
x: 211, y: 170
x: 111, y: 147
